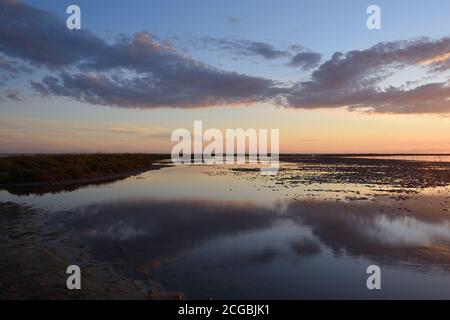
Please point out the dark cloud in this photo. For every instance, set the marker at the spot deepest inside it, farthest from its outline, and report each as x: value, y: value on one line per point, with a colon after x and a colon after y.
x: 7, y: 71
x: 140, y: 92
x: 13, y: 95
x: 305, y: 60
x: 246, y: 47
x: 7, y: 66
x: 428, y: 98
x: 39, y: 88
x: 299, y: 56
x: 264, y: 50
x: 353, y: 79
x: 10, y: 69
x: 40, y: 37
x: 233, y: 20
x: 135, y: 71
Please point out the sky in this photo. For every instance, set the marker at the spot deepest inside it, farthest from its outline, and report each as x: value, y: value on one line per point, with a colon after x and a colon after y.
x: 312, y: 69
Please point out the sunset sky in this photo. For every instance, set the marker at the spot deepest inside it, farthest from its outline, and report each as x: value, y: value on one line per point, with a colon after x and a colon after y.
x: 139, y: 69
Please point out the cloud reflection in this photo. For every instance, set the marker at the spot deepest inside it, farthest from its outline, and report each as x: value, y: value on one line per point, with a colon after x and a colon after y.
x: 149, y: 232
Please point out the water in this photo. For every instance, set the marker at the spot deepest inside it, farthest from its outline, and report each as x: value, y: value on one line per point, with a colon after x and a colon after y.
x: 214, y: 232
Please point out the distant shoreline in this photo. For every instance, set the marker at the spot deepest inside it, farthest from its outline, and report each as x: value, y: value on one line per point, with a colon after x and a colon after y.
x: 281, y: 154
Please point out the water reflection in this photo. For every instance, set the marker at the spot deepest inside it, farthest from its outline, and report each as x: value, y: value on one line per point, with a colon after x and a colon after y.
x: 240, y: 249
x: 43, y: 189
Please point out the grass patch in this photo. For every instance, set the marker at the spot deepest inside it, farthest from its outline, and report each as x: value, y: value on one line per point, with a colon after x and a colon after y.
x: 67, y: 167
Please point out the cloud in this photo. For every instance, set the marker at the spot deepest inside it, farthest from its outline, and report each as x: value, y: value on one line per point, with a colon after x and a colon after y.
x: 353, y: 79
x: 135, y: 71
x: 10, y: 69
x: 40, y: 37
x: 300, y: 57
x: 428, y: 98
x: 243, y: 47
x: 13, y: 94
x: 7, y: 66
x: 305, y: 60
x: 39, y: 88
x: 233, y: 20
x: 193, y: 88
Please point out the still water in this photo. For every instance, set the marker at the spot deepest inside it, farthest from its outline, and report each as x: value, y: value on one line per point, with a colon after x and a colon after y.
x: 212, y: 232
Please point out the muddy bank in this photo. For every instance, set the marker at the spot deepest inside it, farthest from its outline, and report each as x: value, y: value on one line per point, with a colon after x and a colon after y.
x: 384, y: 172
x: 35, y: 256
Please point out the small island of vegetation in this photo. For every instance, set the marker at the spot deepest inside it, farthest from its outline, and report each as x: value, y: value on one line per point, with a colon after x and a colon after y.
x: 63, y: 168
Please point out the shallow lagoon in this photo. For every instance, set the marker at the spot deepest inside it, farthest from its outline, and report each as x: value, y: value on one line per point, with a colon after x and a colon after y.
x: 216, y: 232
